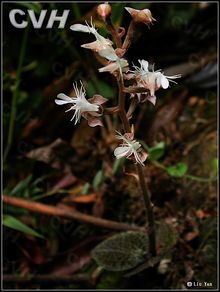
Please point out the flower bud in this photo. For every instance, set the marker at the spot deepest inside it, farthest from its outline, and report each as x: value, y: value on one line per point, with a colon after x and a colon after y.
x: 104, y: 10
x: 143, y: 16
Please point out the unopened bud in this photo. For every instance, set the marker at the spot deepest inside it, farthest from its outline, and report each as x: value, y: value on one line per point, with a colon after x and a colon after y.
x: 104, y: 10
x: 143, y: 16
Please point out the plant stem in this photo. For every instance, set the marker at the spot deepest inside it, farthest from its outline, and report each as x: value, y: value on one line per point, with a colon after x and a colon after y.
x: 200, y: 179
x: 15, y: 94
x: 129, y: 36
x: 121, y: 106
x: 149, y: 209
x: 113, y: 32
x: 140, y: 171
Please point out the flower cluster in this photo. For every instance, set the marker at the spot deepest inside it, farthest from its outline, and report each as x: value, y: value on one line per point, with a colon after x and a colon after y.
x: 143, y: 77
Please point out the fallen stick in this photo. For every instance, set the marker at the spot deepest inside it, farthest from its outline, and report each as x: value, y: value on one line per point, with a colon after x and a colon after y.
x: 55, y: 211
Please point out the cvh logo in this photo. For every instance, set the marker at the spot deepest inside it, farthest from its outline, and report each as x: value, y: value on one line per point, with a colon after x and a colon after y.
x: 16, y: 17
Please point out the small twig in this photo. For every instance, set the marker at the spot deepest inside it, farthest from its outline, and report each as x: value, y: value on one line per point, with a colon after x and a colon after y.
x: 55, y: 211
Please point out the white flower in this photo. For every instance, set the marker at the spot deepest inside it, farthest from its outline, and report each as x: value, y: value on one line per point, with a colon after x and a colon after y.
x: 79, y: 103
x: 100, y: 44
x: 152, y: 80
x: 130, y: 147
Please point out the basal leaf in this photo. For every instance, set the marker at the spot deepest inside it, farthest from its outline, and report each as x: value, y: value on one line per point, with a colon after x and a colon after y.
x: 122, y: 251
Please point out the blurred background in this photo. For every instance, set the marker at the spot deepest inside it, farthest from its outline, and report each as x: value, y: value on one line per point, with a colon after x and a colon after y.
x: 49, y: 160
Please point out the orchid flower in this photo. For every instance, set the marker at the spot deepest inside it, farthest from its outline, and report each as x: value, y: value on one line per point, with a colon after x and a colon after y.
x: 100, y: 44
x: 141, y: 16
x: 152, y: 80
x: 130, y: 147
x: 89, y: 109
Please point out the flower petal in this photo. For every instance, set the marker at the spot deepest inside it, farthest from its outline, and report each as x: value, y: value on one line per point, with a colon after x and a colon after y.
x: 109, y: 54
x: 132, y: 11
x: 97, y: 99
x: 122, y: 151
x: 152, y: 99
x: 80, y: 27
x: 95, y: 46
x: 64, y: 99
x: 109, y: 68
x: 144, y: 64
x: 164, y: 82
x: 143, y: 156
x: 174, y: 76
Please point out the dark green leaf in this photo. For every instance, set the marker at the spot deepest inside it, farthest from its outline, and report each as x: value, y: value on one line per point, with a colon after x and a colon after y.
x: 122, y: 251
x: 98, y: 179
x: 178, y: 170
x: 21, y: 186
x: 117, y: 13
x: 16, y: 224
x: 157, y: 151
x: 86, y: 188
x: 118, y: 164
x: 215, y: 165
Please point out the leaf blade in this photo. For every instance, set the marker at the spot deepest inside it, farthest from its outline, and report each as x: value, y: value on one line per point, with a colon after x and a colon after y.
x: 14, y: 223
